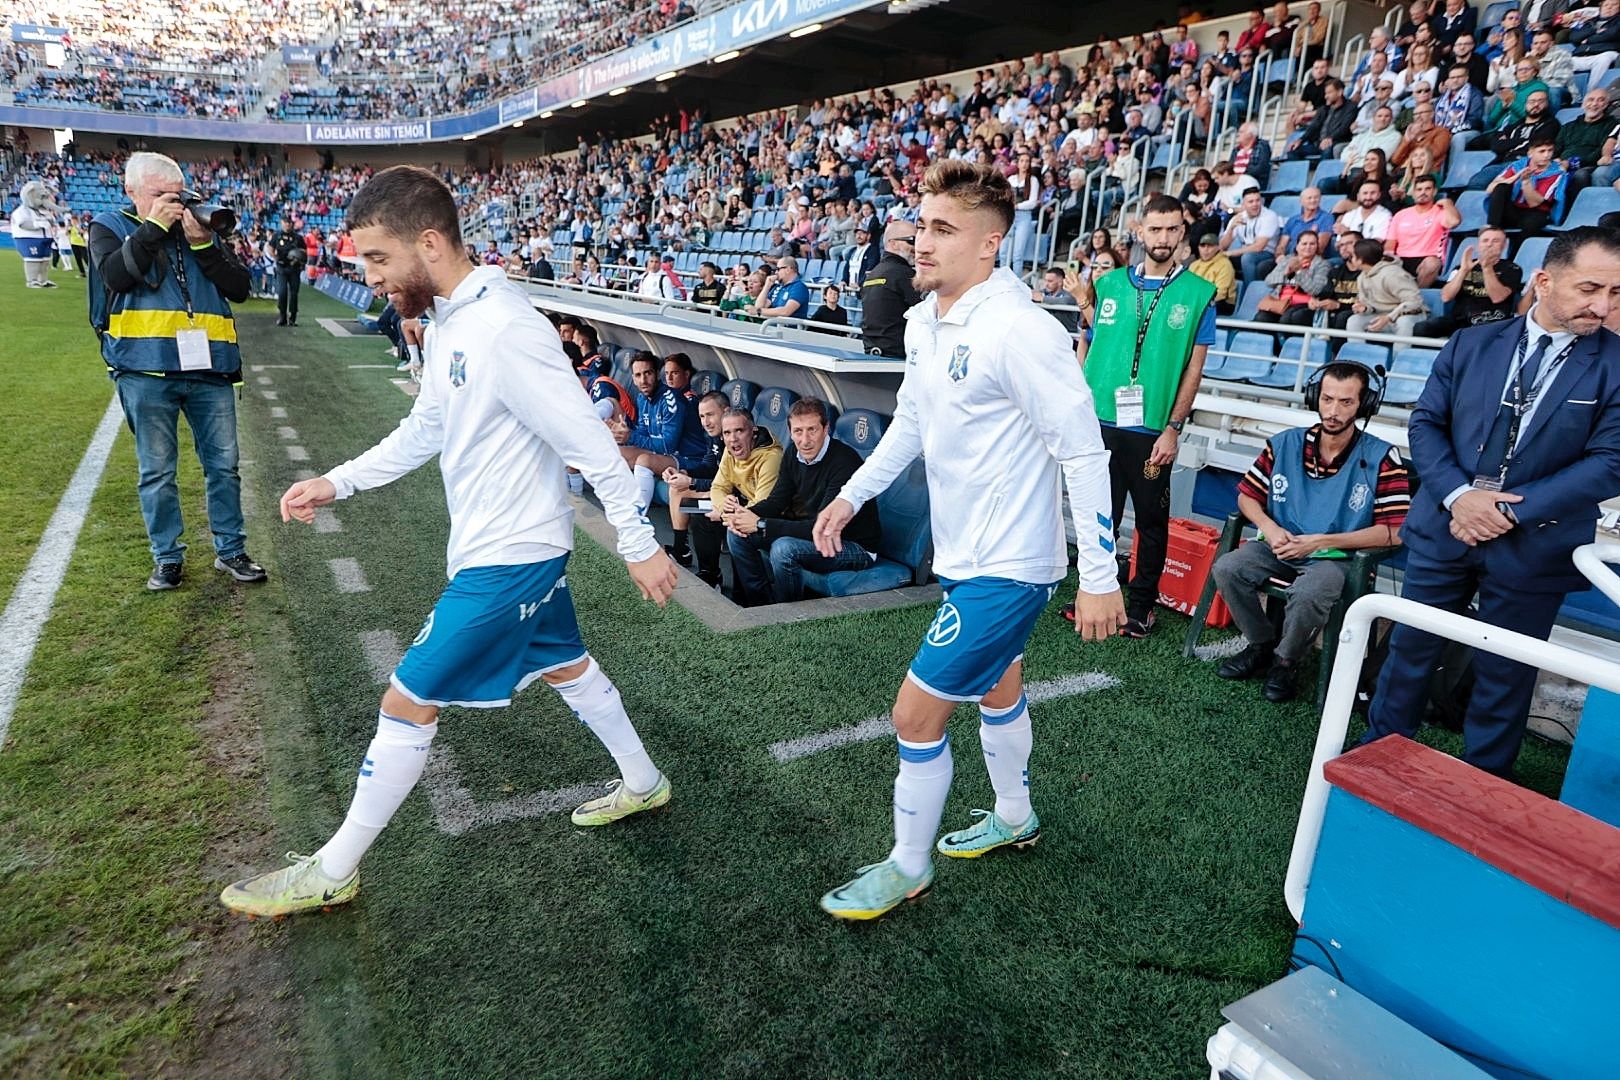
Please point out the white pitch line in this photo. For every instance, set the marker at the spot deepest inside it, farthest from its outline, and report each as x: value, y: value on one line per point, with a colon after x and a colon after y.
x: 335, y: 328
x: 31, y: 601
x: 286, y: 433
x: 383, y: 652
x: 278, y: 413
x: 456, y: 811
x: 326, y: 521
x: 349, y: 576
x: 410, y: 388
x: 879, y: 726
x: 274, y: 367
x: 305, y: 474
x: 1220, y: 650
x: 265, y: 380
x: 270, y: 395
x: 373, y: 367
x: 296, y: 453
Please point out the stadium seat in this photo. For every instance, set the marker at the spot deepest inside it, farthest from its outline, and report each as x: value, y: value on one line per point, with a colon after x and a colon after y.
x: 1327, y: 169
x: 741, y: 393
x: 906, y: 550
x: 771, y: 411
x: 1530, y: 252
x: 1409, y: 371
x: 1471, y: 207
x: 1256, y: 363
x: 704, y: 381
x: 1433, y: 301
x: 1289, y: 178
x: 1492, y: 15
x: 861, y: 429
x: 1589, y: 205
x: 1369, y: 353
x: 1285, y: 206
x: 1285, y: 373
x: 1249, y: 305
x: 1463, y: 165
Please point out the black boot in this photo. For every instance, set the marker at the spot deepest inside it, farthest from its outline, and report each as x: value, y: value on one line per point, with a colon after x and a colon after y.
x: 1282, y: 683
x: 1252, y: 661
x: 680, y: 550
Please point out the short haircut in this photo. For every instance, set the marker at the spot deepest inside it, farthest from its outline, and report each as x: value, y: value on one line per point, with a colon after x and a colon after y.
x: 1058, y: 270
x: 712, y: 266
x: 1542, y: 140
x: 1369, y: 252
x: 807, y: 406
x: 976, y: 187
x: 733, y: 412
x: 680, y: 360
x: 642, y: 356
x: 406, y: 201
x: 1333, y: 81
x: 143, y: 167
x: 1567, y: 245
x: 1162, y: 204
x: 1347, y: 370
x: 586, y: 330
x: 716, y: 397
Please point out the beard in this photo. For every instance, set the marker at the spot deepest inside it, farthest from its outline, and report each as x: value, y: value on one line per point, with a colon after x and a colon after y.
x: 926, y: 281
x: 1336, y: 427
x: 1161, y: 254
x: 414, y: 294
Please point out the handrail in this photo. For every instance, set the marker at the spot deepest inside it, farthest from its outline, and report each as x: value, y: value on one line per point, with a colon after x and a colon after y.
x: 1593, y: 559
x: 1354, y: 637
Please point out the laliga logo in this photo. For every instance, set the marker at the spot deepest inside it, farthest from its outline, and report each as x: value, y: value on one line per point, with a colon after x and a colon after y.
x: 1105, y: 313
x: 1279, y: 485
x: 757, y: 16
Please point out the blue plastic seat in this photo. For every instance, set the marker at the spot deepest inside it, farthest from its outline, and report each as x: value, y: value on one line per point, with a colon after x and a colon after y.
x: 1290, y: 178
x: 1249, y: 303
x: 741, y: 393
x: 1327, y: 169
x: 1530, y: 253
x: 707, y: 380
x: 861, y: 429
x: 1591, y: 204
x: 1369, y: 353
x: 1409, y: 371
x: 1284, y: 374
x: 1286, y: 206
x: 1463, y: 165
x: 771, y: 411
x: 1471, y: 207
x: 906, y: 549
x: 1257, y: 349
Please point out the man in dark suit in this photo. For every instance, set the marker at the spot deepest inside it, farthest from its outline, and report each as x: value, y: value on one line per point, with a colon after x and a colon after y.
x: 1516, y: 439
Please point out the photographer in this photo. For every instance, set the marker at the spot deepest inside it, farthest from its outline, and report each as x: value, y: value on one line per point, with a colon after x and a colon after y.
x: 292, y: 255
x: 159, y: 285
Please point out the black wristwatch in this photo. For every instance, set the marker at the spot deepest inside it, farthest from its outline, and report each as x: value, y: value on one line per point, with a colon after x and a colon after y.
x: 1177, y: 425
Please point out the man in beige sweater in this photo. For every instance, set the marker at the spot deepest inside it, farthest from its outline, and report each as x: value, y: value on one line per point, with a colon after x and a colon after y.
x: 1387, y: 297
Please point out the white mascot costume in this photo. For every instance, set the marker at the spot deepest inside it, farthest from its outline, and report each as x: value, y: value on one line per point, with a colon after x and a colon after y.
x: 33, y: 226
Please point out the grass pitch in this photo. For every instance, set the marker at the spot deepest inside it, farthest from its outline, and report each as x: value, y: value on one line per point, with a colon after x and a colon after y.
x: 687, y: 943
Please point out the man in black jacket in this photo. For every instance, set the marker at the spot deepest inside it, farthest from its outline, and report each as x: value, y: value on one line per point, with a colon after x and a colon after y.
x: 887, y: 292
x: 777, y: 527
x: 1330, y: 125
x: 291, y: 255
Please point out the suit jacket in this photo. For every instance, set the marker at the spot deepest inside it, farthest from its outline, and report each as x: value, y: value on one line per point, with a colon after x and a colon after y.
x: 1567, y: 460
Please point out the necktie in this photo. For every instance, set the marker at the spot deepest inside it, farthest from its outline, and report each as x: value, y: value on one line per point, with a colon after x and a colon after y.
x: 1496, y: 444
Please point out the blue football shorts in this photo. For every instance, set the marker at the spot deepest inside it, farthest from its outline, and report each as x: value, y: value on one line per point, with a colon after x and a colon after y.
x: 980, y: 629
x: 494, y: 631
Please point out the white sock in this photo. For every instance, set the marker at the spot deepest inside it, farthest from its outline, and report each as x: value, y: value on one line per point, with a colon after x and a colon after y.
x: 1006, y: 737
x: 394, y: 763
x: 596, y: 701
x: 919, y: 801
x: 647, y: 484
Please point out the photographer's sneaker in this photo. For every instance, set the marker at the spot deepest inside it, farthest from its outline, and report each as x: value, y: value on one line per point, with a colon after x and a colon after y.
x: 299, y: 887
x: 241, y: 568
x: 165, y: 576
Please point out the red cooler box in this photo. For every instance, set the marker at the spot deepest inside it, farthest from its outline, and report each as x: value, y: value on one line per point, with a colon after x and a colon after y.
x: 1187, y: 565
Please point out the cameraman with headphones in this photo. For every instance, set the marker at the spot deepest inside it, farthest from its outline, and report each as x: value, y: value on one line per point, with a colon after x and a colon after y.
x: 160, y: 286
x: 1315, y: 494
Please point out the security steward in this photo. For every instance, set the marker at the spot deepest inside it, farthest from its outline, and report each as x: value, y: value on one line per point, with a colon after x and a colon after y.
x: 887, y: 292
x: 160, y: 286
x: 291, y: 255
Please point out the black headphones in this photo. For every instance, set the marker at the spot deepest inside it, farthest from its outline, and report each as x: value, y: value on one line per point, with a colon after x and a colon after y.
x: 1372, y: 395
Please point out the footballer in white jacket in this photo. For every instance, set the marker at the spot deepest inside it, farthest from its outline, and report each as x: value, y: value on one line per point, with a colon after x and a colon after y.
x: 995, y: 403
x: 502, y: 408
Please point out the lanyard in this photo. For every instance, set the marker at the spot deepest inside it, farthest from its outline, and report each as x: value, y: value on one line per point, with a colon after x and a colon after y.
x: 1143, y: 321
x: 1524, y: 397
x: 180, y: 278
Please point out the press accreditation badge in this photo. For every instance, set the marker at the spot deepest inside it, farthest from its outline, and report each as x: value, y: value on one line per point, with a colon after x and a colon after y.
x: 1128, y: 406
x: 194, y: 354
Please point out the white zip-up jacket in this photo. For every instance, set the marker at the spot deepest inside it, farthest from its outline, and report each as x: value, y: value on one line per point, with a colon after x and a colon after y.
x: 501, y: 406
x: 994, y: 400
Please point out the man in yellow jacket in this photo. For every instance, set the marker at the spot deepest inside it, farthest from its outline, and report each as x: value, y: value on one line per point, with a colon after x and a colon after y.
x: 747, y: 474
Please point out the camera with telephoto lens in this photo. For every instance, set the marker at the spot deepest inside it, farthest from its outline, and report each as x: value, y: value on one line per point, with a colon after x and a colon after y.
x: 215, y: 216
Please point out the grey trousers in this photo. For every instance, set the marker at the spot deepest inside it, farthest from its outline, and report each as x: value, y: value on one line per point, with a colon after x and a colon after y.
x: 1317, y: 584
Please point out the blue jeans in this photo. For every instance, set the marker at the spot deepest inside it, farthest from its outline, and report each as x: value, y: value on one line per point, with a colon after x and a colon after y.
x: 1255, y: 265
x: 789, y: 557
x: 152, y: 405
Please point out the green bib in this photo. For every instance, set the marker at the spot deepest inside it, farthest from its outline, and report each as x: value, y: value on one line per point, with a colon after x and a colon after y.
x: 1165, y: 349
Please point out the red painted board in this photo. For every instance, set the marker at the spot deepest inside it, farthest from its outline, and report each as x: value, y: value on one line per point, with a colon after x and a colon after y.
x: 1556, y: 848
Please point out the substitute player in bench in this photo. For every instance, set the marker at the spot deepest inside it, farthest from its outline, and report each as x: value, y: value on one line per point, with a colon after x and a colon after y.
x: 501, y: 406
x: 994, y: 401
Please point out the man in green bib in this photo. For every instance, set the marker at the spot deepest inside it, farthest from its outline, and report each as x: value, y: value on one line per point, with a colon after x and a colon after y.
x: 1155, y: 323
